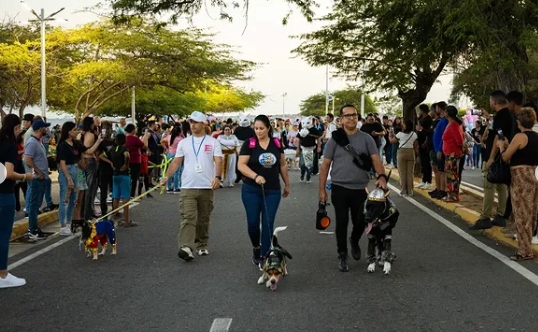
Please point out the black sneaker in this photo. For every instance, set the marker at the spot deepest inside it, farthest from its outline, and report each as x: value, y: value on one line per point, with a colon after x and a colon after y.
x: 499, y: 221
x: 433, y: 192
x: 440, y: 194
x: 185, y: 253
x: 342, y: 262
x: 484, y: 223
x: 149, y: 195
x: 256, y: 257
x: 355, y: 250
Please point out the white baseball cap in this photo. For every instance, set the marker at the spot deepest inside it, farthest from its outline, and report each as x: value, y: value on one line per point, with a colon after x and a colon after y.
x: 198, y: 117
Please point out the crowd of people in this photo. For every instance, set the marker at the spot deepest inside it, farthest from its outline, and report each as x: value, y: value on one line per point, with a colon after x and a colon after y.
x: 201, y: 155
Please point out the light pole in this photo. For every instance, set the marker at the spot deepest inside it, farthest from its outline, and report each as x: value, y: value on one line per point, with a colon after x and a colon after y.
x: 42, y: 19
x: 283, y: 104
x: 326, y: 89
x: 133, y: 106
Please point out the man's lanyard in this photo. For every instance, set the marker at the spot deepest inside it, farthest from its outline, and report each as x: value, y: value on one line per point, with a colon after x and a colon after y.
x: 196, y: 153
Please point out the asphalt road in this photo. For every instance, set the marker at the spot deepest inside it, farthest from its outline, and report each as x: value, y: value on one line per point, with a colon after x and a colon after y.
x: 440, y: 282
x: 473, y: 176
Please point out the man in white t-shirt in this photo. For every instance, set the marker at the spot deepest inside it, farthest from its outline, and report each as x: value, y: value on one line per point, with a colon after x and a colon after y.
x: 201, y: 156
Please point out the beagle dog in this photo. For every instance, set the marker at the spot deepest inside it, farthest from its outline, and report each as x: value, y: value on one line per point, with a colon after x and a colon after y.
x: 274, y: 262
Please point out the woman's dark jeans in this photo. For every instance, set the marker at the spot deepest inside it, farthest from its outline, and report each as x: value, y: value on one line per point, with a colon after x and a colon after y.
x: 135, y: 173
x: 252, y: 198
x: 92, y: 181
x: 7, y: 211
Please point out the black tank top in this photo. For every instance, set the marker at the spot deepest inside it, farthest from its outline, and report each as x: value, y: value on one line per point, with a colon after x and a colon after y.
x: 529, y: 154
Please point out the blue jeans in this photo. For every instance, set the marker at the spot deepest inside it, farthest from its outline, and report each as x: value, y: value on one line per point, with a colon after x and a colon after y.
x: 36, y: 199
x: 7, y: 211
x: 395, y: 154
x: 48, y: 192
x: 67, y: 204
x: 176, y: 179
x: 254, y: 207
x: 477, y: 151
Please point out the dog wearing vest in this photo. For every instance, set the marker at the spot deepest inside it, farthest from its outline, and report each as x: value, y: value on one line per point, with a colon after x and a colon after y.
x: 95, y: 233
x: 274, y: 262
x: 381, y: 217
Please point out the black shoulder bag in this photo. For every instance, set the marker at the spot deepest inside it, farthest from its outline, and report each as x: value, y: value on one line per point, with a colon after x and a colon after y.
x: 362, y: 160
x: 499, y: 172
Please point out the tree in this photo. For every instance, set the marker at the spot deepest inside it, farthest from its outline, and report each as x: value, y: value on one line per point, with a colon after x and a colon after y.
x: 100, y: 61
x: 401, y: 45
x: 315, y: 104
x: 19, y: 66
x: 161, y: 101
x: 126, y: 10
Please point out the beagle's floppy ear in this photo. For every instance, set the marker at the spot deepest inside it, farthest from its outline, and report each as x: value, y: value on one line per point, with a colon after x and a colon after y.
x: 286, y: 253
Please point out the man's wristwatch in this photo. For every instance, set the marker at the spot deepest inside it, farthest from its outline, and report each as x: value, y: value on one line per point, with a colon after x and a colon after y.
x: 218, y: 177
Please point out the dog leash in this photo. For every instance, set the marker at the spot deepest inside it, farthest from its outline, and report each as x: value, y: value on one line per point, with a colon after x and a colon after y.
x: 131, y: 201
x: 267, y: 217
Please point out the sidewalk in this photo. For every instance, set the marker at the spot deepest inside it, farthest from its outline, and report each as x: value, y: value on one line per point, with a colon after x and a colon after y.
x: 20, y: 227
x: 467, y: 209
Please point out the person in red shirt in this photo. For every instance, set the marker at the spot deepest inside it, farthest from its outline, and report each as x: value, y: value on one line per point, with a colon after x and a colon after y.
x: 134, y: 144
x: 144, y: 172
x: 453, y: 141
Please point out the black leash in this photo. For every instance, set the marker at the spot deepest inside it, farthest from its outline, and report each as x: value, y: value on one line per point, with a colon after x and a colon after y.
x: 266, y: 218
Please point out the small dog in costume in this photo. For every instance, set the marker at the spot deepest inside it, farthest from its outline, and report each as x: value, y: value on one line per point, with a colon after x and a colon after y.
x: 93, y: 233
x: 381, y: 216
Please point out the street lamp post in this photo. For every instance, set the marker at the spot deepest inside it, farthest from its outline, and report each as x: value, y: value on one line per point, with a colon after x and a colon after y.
x: 42, y: 19
x: 283, y: 104
x: 326, y: 89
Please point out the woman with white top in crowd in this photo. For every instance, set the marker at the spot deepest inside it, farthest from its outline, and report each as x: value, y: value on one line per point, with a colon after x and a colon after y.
x: 228, y: 143
x: 407, y: 142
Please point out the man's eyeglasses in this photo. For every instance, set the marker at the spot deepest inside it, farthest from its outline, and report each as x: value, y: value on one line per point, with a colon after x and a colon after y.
x: 350, y: 116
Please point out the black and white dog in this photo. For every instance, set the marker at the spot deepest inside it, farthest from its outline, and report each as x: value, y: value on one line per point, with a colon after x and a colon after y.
x: 381, y: 216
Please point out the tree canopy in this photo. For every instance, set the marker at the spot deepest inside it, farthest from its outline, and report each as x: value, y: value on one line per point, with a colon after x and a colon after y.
x: 401, y: 45
x: 315, y: 104
x: 91, y: 69
x: 126, y: 10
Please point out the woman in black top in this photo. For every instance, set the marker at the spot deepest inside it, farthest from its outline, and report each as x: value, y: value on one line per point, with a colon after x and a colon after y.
x: 68, y: 154
x: 262, y: 162
x: 11, y: 127
x: 522, y: 153
x: 477, y: 133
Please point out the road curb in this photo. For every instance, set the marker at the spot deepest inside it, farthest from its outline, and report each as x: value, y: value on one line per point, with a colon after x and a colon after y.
x: 21, y: 226
x: 470, y: 217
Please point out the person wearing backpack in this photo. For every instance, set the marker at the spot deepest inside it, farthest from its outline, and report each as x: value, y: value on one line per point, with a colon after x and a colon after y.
x: 262, y: 163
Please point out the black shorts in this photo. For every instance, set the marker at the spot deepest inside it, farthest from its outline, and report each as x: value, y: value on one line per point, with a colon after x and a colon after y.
x: 440, y: 163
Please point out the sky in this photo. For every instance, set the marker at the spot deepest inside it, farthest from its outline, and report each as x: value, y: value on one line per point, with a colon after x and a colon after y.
x: 265, y: 41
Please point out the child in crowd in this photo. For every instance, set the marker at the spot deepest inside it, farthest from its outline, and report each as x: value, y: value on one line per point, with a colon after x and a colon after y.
x: 144, y: 173
x: 121, y: 181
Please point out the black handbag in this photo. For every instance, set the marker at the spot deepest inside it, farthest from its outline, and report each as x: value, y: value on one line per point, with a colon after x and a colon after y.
x: 499, y: 172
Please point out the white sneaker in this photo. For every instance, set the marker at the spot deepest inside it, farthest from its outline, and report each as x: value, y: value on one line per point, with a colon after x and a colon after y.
x: 420, y: 185
x: 186, y: 254
x: 11, y: 281
x: 65, y: 231
x: 203, y: 252
x: 426, y: 186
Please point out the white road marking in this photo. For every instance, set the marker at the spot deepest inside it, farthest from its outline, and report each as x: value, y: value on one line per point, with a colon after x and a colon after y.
x: 49, y: 248
x: 221, y: 325
x: 40, y: 252
x: 326, y: 232
x: 527, y: 274
x: 472, y: 186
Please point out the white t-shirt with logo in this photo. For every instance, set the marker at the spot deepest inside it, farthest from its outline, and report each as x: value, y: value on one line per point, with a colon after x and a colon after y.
x: 198, y: 172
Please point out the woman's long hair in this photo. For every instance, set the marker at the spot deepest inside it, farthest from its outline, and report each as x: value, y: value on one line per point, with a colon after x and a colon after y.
x: 7, y: 131
x: 408, y: 124
x: 66, y: 128
x: 266, y: 123
x: 186, y: 128
x: 176, y: 131
x: 452, y: 112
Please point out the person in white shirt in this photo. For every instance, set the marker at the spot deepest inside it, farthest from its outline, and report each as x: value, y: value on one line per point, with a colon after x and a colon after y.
x: 407, y: 143
x: 201, y: 156
x: 228, y: 144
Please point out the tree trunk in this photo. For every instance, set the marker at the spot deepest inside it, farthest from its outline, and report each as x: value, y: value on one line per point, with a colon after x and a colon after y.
x: 410, y: 100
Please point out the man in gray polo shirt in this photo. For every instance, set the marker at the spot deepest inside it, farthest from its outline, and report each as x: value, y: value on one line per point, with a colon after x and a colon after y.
x: 35, y: 159
x: 349, y: 182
